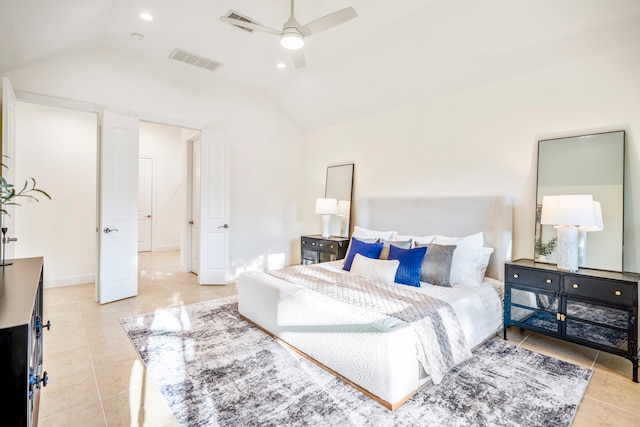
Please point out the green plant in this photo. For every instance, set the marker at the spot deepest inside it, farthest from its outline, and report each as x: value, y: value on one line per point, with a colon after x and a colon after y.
x: 546, y: 248
x: 8, y: 193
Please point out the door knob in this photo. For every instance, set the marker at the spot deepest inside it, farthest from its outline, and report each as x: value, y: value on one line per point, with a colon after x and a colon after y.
x: 109, y: 230
x: 191, y: 222
x: 148, y: 216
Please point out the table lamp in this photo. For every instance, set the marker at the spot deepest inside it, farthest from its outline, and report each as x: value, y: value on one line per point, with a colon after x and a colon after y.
x: 566, y: 213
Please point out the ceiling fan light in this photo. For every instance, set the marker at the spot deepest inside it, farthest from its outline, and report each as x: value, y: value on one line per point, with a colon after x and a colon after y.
x: 291, y: 39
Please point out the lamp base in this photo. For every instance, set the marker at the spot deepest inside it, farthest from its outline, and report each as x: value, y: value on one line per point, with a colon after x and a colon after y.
x: 567, y: 248
x: 326, y: 226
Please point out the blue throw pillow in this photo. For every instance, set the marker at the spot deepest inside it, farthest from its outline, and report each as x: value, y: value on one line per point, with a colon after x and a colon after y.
x: 370, y: 250
x: 408, y: 272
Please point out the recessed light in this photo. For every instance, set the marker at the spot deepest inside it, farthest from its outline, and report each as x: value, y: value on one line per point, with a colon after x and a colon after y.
x: 281, y: 65
x: 146, y: 16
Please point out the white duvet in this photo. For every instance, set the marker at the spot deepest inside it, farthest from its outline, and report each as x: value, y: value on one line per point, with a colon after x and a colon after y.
x: 478, y: 307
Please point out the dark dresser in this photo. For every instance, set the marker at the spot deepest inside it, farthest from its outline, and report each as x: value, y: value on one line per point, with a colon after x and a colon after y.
x: 21, y: 327
x: 595, y: 308
x: 315, y: 248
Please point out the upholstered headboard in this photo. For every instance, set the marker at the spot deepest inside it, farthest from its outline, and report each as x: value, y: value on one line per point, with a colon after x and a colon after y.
x: 448, y: 216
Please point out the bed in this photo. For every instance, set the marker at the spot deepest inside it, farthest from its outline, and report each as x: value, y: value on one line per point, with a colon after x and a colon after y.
x: 376, y: 351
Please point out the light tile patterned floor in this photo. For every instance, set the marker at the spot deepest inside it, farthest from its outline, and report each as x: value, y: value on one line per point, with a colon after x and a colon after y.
x: 96, y: 378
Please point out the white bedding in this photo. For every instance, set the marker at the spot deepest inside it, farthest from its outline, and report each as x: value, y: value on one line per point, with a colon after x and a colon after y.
x: 479, y: 308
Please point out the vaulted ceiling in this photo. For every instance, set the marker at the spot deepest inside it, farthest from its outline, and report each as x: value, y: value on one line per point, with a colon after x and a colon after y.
x: 392, y: 53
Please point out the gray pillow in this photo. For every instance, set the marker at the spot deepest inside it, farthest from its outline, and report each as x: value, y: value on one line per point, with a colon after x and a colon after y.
x: 403, y: 244
x: 436, y: 265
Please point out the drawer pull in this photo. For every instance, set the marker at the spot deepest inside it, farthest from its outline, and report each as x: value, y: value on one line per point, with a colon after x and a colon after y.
x: 549, y: 280
x: 618, y: 293
x: 515, y: 276
x: 576, y: 286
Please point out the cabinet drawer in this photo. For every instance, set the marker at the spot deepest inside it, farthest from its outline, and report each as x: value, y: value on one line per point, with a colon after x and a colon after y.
x: 547, y: 280
x: 619, y: 293
x: 328, y: 247
x: 309, y: 244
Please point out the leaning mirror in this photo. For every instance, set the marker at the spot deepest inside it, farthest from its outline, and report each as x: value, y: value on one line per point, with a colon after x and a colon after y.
x: 340, y: 186
x: 585, y: 165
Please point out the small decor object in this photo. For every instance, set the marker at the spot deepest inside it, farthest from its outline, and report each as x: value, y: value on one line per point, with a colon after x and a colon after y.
x: 567, y: 213
x: 8, y: 196
x: 326, y: 207
x: 544, y: 249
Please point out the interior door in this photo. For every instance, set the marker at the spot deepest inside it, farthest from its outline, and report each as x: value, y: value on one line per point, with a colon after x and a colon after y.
x: 195, y: 206
x: 118, y: 208
x: 145, y: 191
x: 8, y: 153
x: 214, y: 208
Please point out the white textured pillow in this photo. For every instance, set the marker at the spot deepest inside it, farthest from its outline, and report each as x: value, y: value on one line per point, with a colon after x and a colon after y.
x: 364, y: 233
x: 483, y: 263
x: 465, y: 257
x: 375, y: 269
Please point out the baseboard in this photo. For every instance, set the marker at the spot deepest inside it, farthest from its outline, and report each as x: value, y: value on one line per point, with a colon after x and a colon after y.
x: 69, y: 281
x: 165, y: 248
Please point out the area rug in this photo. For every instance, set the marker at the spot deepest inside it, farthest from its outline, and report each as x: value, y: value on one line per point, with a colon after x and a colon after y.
x: 215, y: 369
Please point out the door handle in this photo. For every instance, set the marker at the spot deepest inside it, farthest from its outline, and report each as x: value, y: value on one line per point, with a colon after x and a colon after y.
x: 191, y: 222
x: 109, y: 230
x: 224, y: 226
x: 148, y: 216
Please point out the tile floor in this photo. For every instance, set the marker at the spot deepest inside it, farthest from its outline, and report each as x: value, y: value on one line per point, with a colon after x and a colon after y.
x: 96, y: 378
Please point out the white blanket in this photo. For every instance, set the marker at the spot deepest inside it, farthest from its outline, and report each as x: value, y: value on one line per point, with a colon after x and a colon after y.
x: 440, y: 342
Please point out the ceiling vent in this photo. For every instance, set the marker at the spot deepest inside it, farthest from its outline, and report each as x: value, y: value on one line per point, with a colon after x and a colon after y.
x: 235, y: 15
x: 193, y: 59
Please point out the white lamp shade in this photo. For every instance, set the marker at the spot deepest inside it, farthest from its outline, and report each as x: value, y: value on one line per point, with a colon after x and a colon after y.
x: 599, y: 224
x: 344, y: 207
x: 574, y: 209
x: 326, y: 206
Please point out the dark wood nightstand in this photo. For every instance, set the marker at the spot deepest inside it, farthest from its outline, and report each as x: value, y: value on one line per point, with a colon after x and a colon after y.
x: 594, y: 308
x: 315, y: 248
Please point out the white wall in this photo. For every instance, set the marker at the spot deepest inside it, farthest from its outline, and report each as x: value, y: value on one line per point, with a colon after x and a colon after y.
x: 163, y: 145
x: 58, y: 148
x: 483, y: 140
x: 265, y: 146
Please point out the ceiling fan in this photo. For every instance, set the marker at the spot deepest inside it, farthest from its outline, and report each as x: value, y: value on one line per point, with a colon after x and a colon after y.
x: 292, y: 34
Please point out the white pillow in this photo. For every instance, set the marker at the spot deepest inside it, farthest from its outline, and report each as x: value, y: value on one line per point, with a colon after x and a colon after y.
x: 417, y: 240
x: 483, y: 263
x: 465, y: 258
x: 375, y: 269
x: 364, y: 233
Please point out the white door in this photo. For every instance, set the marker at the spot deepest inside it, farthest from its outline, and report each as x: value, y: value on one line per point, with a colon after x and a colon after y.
x: 9, y: 155
x: 145, y: 190
x: 214, y: 208
x: 195, y: 206
x: 118, y: 208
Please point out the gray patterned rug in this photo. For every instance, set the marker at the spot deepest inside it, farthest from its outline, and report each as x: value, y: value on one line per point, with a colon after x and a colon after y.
x: 215, y: 369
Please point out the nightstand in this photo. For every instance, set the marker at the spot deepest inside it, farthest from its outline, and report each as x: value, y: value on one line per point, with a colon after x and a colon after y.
x: 594, y: 308
x: 315, y: 248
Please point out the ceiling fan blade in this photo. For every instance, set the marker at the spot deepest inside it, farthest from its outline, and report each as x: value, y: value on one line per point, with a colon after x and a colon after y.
x: 328, y: 21
x: 298, y: 58
x: 249, y: 25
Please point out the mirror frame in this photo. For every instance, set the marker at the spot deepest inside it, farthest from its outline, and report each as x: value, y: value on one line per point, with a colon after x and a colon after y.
x: 618, y: 222
x: 340, y: 190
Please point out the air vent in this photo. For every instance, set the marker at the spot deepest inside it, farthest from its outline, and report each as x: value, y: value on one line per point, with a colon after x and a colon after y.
x: 193, y: 59
x: 235, y: 15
